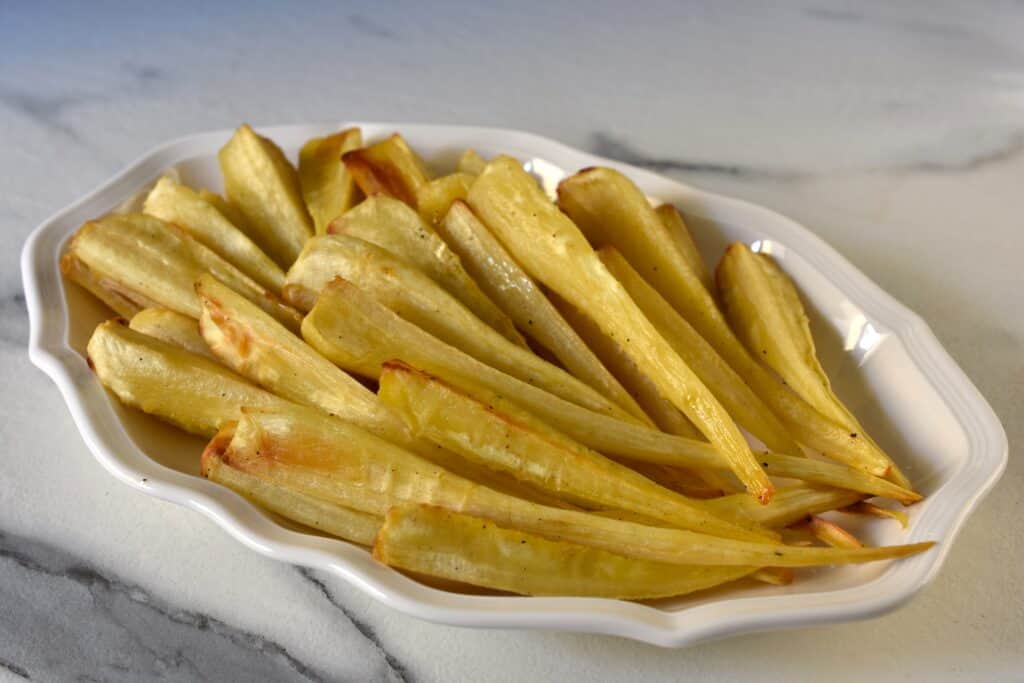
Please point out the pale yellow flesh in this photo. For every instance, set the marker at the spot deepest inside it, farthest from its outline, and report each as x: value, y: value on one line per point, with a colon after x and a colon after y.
x: 388, y: 168
x: 358, y: 334
x: 683, y: 240
x: 554, y: 251
x: 434, y: 198
x: 264, y: 185
x: 742, y: 403
x: 521, y: 299
x: 254, y: 345
x: 327, y: 187
x: 188, y: 390
x: 474, y: 550
x: 765, y: 311
x: 866, y: 508
x: 494, y: 433
x: 146, y: 262
x: 175, y: 203
x: 324, y: 516
x: 471, y: 162
x: 407, y: 291
x: 394, y: 226
x: 832, y: 534
x: 227, y: 209
x: 173, y: 328
x: 790, y: 505
x: 330, y: 459
x: 612, y: 211
x: 690, y: 483
x: 665, y: 416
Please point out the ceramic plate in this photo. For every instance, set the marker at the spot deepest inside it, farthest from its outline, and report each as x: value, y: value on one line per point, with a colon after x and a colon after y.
x: 884, y: 362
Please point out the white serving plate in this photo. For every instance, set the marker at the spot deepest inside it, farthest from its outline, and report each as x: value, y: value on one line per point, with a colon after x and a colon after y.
x: 883, y: 359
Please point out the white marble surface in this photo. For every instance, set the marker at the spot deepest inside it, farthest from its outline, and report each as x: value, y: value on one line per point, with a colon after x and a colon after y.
x: 896, y: 134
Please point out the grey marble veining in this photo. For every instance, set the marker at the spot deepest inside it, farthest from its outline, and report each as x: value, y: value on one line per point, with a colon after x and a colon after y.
x: 892, y: 130
x: 85, y: 624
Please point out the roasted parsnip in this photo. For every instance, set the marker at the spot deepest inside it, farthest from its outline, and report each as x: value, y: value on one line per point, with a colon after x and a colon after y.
x: 186, y: 389
x: 305, y: 450
x: 493, y: 432
x: 433, y: 198
x: 790, y: 505
x: 254, y: 345
x: 515, y: 292
x: 742, y: 403
x: 390, y: 224
x: 612, y: 211
x: 264, y: 185
x: 322, y: 515
x: 683, y: 239
x: 765, y: 311
x: 173, y: 328
x: 408, y: 292
x: 327, y: 186
x: 135, y: 261
x: 172, y: 202
x: 439, y: 542
x: 359, y: 334
x: 389, y: 168
x: 553, y: 250
x: 227, y: 209
x: 471, y: 162
x: 666, y: 416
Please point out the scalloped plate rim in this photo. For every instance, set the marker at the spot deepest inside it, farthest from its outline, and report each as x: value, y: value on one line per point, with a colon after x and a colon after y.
x: 107, y: 440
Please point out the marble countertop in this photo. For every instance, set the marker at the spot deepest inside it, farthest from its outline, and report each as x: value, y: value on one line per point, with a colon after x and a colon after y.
x: 895, y: 134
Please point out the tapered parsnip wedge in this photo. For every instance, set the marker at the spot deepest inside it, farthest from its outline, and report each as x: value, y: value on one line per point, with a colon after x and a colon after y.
x: 173, y: 328
x: 434, y: 197
x: 766, y: 313
x: 471, y: 162
x: 304, y: 450
x: 321, y: 515
x: 327, y: 186
x: 687, y: 482
x: 493, y: 432
x: 501, y: 278
x: 681, y: 237
x: 866, y: 508
x: 775, y: 576
x: 791, y: 504
x: 666, y: 416
x: 388, y: 168
x: 834, y: 474
x: 612, y: 211
x: 438, y: 542
x: 264, y: 185
x: 175, y: 203
x: 143, y: 262
x: 407, y: 291
x: 256, y: 346
x: 227, y: 209
x: 359, y: 334
x: 390, y: 224
x: 831, y: 533
x: 186, y: 389
x: 553, y: 250
x: 742, y: 403
x: 123, y: 300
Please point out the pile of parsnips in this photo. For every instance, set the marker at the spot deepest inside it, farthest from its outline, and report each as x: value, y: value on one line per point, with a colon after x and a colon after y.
x: 560, y: 388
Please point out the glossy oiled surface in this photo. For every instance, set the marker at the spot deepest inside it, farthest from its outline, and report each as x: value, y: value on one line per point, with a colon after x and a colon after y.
x: 892, y: 134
